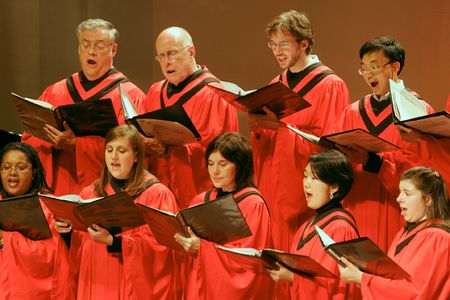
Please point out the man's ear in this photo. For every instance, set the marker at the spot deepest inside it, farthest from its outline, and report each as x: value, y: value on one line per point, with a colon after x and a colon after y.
x: 192, y: 51
x: 396, y: 67
x: 114, y: 49
x: 304, y: 44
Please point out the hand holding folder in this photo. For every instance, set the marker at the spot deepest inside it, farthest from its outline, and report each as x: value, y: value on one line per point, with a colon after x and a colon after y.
x: 219, y: 221
x: 364, y: 254
x: 90, y: 117
x: 117, y: 210
x: 259, y: 260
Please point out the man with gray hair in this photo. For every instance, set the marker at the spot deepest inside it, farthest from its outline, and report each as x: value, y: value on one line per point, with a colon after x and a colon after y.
x: 73, y: 162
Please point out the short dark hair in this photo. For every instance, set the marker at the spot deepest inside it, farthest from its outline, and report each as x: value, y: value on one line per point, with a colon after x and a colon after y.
x: 38, y: 184
x: 333, y: 167
x: 390, y: 47
x: 295, y: 23
x: 238, y: 150
x: 429, y: 182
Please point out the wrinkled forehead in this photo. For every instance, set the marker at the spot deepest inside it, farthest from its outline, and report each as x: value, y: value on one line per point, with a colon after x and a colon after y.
x: 97, y: 34
x: 165, y: 43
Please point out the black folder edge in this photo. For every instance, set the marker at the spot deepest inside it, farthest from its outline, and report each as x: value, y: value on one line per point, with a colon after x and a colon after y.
x: 36, y: 197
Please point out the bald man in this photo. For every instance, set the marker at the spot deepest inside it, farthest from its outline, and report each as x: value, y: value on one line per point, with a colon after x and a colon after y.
x: 182, y: 168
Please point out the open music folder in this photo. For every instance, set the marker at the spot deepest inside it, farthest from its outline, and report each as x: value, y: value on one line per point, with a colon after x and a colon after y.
x: 277, y: 97
x: 24, y: 214
x: 258, y: 260
x: 108, y: 212
x: 409, y: 111
x: 90, y: 117
x: 170, y: 125
x: 349, y: 138
x: 364, y: 254
x: 219, y: 221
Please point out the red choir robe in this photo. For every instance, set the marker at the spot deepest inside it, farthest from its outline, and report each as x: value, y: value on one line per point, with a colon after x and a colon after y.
x: 430, y: 152
x: 278, y: 174
x: 447, y: 107
x: 143, y: 270
x: 308, y: 243
x: 426, y: 258
x: 33, y: 270
x: 213, y: 275
x: 372, y: 197
x: 69, y: 172
x: 183, y: 168
x: 435, y: 153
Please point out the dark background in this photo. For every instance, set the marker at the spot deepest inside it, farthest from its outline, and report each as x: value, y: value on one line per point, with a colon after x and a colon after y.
x: 39, y: 46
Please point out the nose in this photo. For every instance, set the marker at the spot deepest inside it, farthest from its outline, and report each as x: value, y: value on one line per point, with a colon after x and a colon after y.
x: 13, y: 171
x: 91, y: 50
x: 306, y: 182
x: 277, y: 49
x: 399, y: 198
x: 114, y: 154
x: 216, y: 169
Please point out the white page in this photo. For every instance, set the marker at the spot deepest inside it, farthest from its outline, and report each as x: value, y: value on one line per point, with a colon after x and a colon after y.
x: 309, y: 137
x: 405, y: 105
x: 324, y: 238
x: 128, y: 110
x: 244, y: 251
x: 35, y: 101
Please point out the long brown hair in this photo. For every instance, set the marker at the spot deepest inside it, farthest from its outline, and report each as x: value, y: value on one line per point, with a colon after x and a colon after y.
x: 135, y: 182
x: 430, y: 183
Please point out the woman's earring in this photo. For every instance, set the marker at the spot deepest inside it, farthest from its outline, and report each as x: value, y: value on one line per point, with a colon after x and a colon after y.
x: 331, y: 196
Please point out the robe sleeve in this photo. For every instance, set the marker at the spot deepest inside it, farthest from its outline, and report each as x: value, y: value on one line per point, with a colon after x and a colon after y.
x: 240, y: 282
x: 36, y: 267
x: 149, y: 266
x: 289, y: 162
x: 337, y: 288
x: 429, y: 270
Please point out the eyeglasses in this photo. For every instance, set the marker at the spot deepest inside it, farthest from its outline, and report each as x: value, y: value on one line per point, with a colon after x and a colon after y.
x: 281, y: 45
x: 98, y: 46
x: 19, y: 168
x: 170, y: 55
x: 374, y: 69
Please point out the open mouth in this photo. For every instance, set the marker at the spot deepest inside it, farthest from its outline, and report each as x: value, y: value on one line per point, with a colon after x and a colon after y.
x: 115, y: 166
x: 91, y: 62
x: 281, y: 59
x: 13, y: 183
